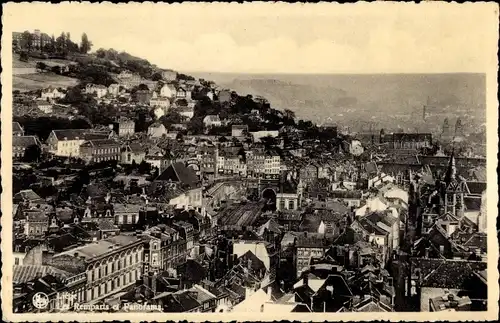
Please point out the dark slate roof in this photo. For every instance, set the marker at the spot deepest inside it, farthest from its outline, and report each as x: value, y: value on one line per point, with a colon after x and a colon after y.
x: 100, y: 143
x: 256, y: 263
x: 24, y: 141
x: 348, y: 237
x: 192, y: 271
x: 383, y: 217
x: 25, y: 273
x: 86, y: 134
x: 179, y: 173
x: 472, y: 203
x: 476, y: 187
x: 446, y: 273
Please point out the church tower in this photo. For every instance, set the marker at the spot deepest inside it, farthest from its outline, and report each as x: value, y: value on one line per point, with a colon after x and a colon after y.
x: 455, y: 190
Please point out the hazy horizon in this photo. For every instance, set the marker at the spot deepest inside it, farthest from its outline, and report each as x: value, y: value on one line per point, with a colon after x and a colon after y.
x: 283, y: 38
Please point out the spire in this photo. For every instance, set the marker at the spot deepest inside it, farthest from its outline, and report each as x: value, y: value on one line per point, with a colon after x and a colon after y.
x: 451, y: 173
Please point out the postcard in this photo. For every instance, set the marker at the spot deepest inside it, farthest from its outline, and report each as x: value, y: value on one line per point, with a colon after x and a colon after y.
x: 249, y: 161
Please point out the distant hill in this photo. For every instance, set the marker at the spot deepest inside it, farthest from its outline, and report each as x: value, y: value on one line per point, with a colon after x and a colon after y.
x: 386, y: 100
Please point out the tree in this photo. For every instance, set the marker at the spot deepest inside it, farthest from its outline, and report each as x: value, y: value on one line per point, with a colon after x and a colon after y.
x: 41, y: 66
x: 290, y: 116
x: 27, y: 41
x: 32, y: 153
x: 157, y: 76
x: 24, y: 57
x: 56, y: 69
x: 85, y: 45
x: 144, y: 168
x: 172, y: 117
x: 61, y: 43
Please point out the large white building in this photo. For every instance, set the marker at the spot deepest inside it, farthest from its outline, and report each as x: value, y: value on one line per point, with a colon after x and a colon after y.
x: 111, y: 265
x: 67, y: 142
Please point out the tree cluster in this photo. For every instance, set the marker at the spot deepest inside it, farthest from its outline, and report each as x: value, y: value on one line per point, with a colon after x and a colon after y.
x: 43, y: 126
x: 62, y: 45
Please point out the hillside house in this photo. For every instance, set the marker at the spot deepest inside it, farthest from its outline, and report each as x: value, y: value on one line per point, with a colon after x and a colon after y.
x: 168, y: 91
x: 238, y: 130
x: 66, y: 142
x: 100, y: 150
x: 43, y: 105
x: 21, y: 143
x: 168, y: 75
x: 97, y: 90
x: 114, y: 90
x: 126, y: 127
x: 159, y: 101
x: 131, y: 153
x: 212, y: 120
x: 186, y: 111
x: 51, y: 94
x: 183, y: 93
x: 157, y: 130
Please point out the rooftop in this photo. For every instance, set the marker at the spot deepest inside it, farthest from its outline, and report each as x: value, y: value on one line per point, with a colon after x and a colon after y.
x: 100, y: 248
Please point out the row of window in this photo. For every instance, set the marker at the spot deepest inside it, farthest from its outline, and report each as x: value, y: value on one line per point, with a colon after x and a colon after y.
x: 106, y: 150
x: 112, y: 266
x: 113, y: 285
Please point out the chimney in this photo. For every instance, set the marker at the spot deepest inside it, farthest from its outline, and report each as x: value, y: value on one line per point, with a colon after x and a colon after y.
x: 427, y: 250
x: 269, y: 293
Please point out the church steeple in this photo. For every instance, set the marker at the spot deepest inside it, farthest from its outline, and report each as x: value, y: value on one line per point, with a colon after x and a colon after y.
x: 454, y: 192
x: 451, y: 172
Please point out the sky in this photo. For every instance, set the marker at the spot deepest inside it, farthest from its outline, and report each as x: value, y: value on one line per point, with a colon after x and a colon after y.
x: 279, y: 38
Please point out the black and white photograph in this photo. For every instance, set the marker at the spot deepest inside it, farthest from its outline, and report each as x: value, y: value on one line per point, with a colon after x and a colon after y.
x: 249, y: 161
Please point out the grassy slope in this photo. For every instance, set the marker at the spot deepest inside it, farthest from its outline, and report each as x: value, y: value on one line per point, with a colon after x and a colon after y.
x: 36, y: 81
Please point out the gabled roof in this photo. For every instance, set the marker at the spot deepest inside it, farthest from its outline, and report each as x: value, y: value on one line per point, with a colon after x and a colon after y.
x: 16, y: 127
x: 25, y: 273
x: 179, y: 173
x: 271, y: 226
x: 80, y: 134
x: 100, y: 143
x: 24, y: 141
x: 212, y: 118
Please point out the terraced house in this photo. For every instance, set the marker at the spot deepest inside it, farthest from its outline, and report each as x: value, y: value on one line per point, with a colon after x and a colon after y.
x: 100, y: 150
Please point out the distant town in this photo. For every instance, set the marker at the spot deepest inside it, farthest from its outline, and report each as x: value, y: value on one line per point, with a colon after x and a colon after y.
x: 140, y: 188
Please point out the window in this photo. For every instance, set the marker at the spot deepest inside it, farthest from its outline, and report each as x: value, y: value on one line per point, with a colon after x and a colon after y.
x: 16, y: 261
x: 291, y: 205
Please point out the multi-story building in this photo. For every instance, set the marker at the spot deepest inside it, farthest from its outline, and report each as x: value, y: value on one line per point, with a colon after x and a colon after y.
x: 168, y: 75
x: 38, y: 39
x: 309, y: 245
x: 128, y: 80
x: 207, y: 158
x: 157, y: 130
x: 98, y: 90
x: 131, y: 153
x: 51, y: 94
x: 21, y: 143
x: 67, y: 142
x: 238, y: 130
x: 43, y: 105
x: 272, y: 164
x: 126, y: 127
x: 407, y: 140
x: 109, y: 265
x: 100, y: 150
x: 168, y: 91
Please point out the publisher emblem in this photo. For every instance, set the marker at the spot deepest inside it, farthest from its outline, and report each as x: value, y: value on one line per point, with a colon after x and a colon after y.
x: 40, y: 300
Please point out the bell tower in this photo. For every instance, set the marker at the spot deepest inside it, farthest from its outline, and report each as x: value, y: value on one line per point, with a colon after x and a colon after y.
x: 454, y: 192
